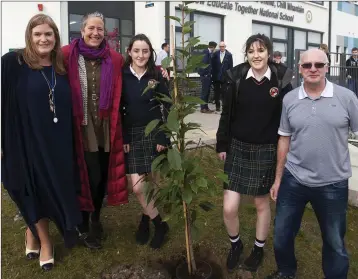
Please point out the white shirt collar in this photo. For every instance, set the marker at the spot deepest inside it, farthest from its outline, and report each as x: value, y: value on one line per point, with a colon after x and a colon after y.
x: 250, y: 73
x: 135, y: 74
x: 327, y: 91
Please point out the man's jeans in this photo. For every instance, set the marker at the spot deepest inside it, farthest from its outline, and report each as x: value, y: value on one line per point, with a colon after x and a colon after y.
x: 205, y: 90
x: 330, y: 206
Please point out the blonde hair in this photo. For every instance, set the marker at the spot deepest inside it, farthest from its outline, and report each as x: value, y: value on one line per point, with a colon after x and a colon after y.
x: 30, y: 54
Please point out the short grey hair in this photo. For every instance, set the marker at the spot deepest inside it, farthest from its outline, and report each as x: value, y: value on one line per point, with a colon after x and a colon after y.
x: 94, y: 14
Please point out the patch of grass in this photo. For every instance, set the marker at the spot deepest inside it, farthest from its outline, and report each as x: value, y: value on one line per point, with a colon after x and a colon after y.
x: 121, y: 222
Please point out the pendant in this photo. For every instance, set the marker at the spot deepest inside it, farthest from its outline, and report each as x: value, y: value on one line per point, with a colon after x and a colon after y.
x: 55, y: 119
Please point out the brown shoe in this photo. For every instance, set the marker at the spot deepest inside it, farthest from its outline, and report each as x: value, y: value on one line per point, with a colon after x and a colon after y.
x: 206, y: 111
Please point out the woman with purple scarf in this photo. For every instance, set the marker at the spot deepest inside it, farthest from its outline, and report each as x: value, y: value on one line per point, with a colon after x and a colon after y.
x: 95, y: 76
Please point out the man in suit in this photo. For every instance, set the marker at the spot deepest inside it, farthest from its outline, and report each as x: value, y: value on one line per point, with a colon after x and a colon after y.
x: 221, y: 62
x: 205, y: 77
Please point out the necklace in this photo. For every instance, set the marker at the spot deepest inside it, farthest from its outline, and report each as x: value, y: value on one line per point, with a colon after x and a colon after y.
x: 51, y: 95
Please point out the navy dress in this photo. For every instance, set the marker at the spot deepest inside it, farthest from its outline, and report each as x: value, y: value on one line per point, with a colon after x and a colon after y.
x: 47, y: 182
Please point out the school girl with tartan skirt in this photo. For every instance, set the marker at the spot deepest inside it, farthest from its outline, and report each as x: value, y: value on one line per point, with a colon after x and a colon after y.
x: 138, y: 110
x: 247, y: 141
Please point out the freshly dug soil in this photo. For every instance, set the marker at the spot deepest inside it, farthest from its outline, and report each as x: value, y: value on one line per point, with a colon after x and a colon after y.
x: 204, y: 271
x: 135, y: 272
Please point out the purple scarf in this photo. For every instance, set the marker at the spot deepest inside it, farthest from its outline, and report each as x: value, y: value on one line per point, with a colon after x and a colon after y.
x: 78, y: 46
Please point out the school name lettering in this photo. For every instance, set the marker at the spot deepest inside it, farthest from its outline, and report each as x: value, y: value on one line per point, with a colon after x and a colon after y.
x: 243, y: 9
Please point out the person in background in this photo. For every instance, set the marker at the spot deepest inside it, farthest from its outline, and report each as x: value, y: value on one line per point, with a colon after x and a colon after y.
x: 247, y: 141
x: 325, y: 49
x: 313, y: 166
x: 352, y: 71
x: 38, y: 163
x: 137, y: 111
x: 221, y: 62
x: 205, y: 77
x: 95, y: 74
x: 162, y: 54
x: 277, y: 56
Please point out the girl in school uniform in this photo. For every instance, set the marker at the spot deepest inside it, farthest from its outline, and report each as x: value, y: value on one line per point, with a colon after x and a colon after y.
x: 247, y: 140
x: 138, y: 110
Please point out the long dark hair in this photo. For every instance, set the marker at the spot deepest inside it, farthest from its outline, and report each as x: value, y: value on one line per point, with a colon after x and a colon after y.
x: 264, y: 42
x: 151, y: 68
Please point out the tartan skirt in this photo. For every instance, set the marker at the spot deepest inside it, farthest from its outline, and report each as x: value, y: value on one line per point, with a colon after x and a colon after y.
x: 142, y: 151
x: 250, y: 167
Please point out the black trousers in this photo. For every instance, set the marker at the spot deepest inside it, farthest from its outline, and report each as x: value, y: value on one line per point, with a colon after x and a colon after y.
x: 218, y: 94
x: 97, y: 168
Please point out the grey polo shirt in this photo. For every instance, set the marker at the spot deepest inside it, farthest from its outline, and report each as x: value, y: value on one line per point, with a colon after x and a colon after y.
x: 319, y: 128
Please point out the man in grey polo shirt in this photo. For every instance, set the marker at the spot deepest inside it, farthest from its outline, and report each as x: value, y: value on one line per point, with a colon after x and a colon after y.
x: 314, y: 131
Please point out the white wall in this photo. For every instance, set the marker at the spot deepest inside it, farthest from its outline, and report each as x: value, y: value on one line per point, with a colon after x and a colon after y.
x: 238, y: 27
x: 343, y: 24
x: 151, y: 22
x: 15, y: 17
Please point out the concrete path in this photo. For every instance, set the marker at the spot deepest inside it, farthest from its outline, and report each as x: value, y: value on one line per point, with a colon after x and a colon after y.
x: 210, y: 123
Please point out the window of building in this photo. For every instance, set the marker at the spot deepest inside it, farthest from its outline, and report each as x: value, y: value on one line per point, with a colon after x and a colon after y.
x: 314, y: 38
x: 318, y: 2
x: 279, y: 32
x: 300, y: 39
x: 118, y: 32
x: 208, y: 26
x: 261, y: 29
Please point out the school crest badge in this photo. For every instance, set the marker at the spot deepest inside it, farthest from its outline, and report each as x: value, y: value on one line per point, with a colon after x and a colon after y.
x: 274, y: 92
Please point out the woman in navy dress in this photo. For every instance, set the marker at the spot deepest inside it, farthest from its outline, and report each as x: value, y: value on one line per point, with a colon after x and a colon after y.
x: 37, y: 143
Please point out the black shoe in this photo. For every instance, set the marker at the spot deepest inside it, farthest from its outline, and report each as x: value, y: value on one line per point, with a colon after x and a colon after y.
x: 278, y: 275
x: 97, y: 230
x: 142, y: 234
x: 234, y: 257
x: 90, y: 241
x: 159, y: 235
x: 254, y: 260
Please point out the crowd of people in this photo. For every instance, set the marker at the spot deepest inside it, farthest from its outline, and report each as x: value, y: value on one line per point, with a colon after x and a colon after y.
x: 73, y: 121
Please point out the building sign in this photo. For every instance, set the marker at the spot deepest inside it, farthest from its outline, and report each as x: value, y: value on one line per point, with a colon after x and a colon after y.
x: 264, y: 12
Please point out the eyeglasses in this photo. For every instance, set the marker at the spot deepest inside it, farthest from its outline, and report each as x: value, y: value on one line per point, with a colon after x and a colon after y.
x: 318, y: 65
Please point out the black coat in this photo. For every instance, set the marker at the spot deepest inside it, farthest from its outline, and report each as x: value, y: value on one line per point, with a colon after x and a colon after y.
x: 218, y: 68
x: 231, y: 87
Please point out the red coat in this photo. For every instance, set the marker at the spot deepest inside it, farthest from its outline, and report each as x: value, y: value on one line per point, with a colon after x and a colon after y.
x: 117, y: 180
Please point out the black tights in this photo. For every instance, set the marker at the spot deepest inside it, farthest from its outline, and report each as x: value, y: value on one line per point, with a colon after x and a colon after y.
x: 97, y: 168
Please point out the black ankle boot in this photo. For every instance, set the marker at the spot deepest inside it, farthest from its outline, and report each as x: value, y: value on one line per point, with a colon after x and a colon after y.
x: 142, y: 234
x: 161, y: 229
x: 97, y: 230
x: 234, y: 256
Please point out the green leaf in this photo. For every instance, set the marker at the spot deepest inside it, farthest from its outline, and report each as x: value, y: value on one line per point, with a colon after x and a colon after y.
x: 189, y: 23
x: 193, y: 100
x: 179, y: 176
x: 187, y: 195
x: 194, y: 187
x: 202, y: 182
x: 184, y: 52
x: 164, y: 98
x: 174, y: 159
x: 223, y: 177
x: 174, y: 18
x: 150, y: 127
x: 173, y: 121
x: 206, y: 206
x: 156, y: 162
x: 201, y: 46
x: 166, y: 62
x: 186, y: 29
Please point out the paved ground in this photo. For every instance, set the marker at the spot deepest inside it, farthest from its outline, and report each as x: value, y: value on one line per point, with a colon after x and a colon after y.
x: 210, y: 124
